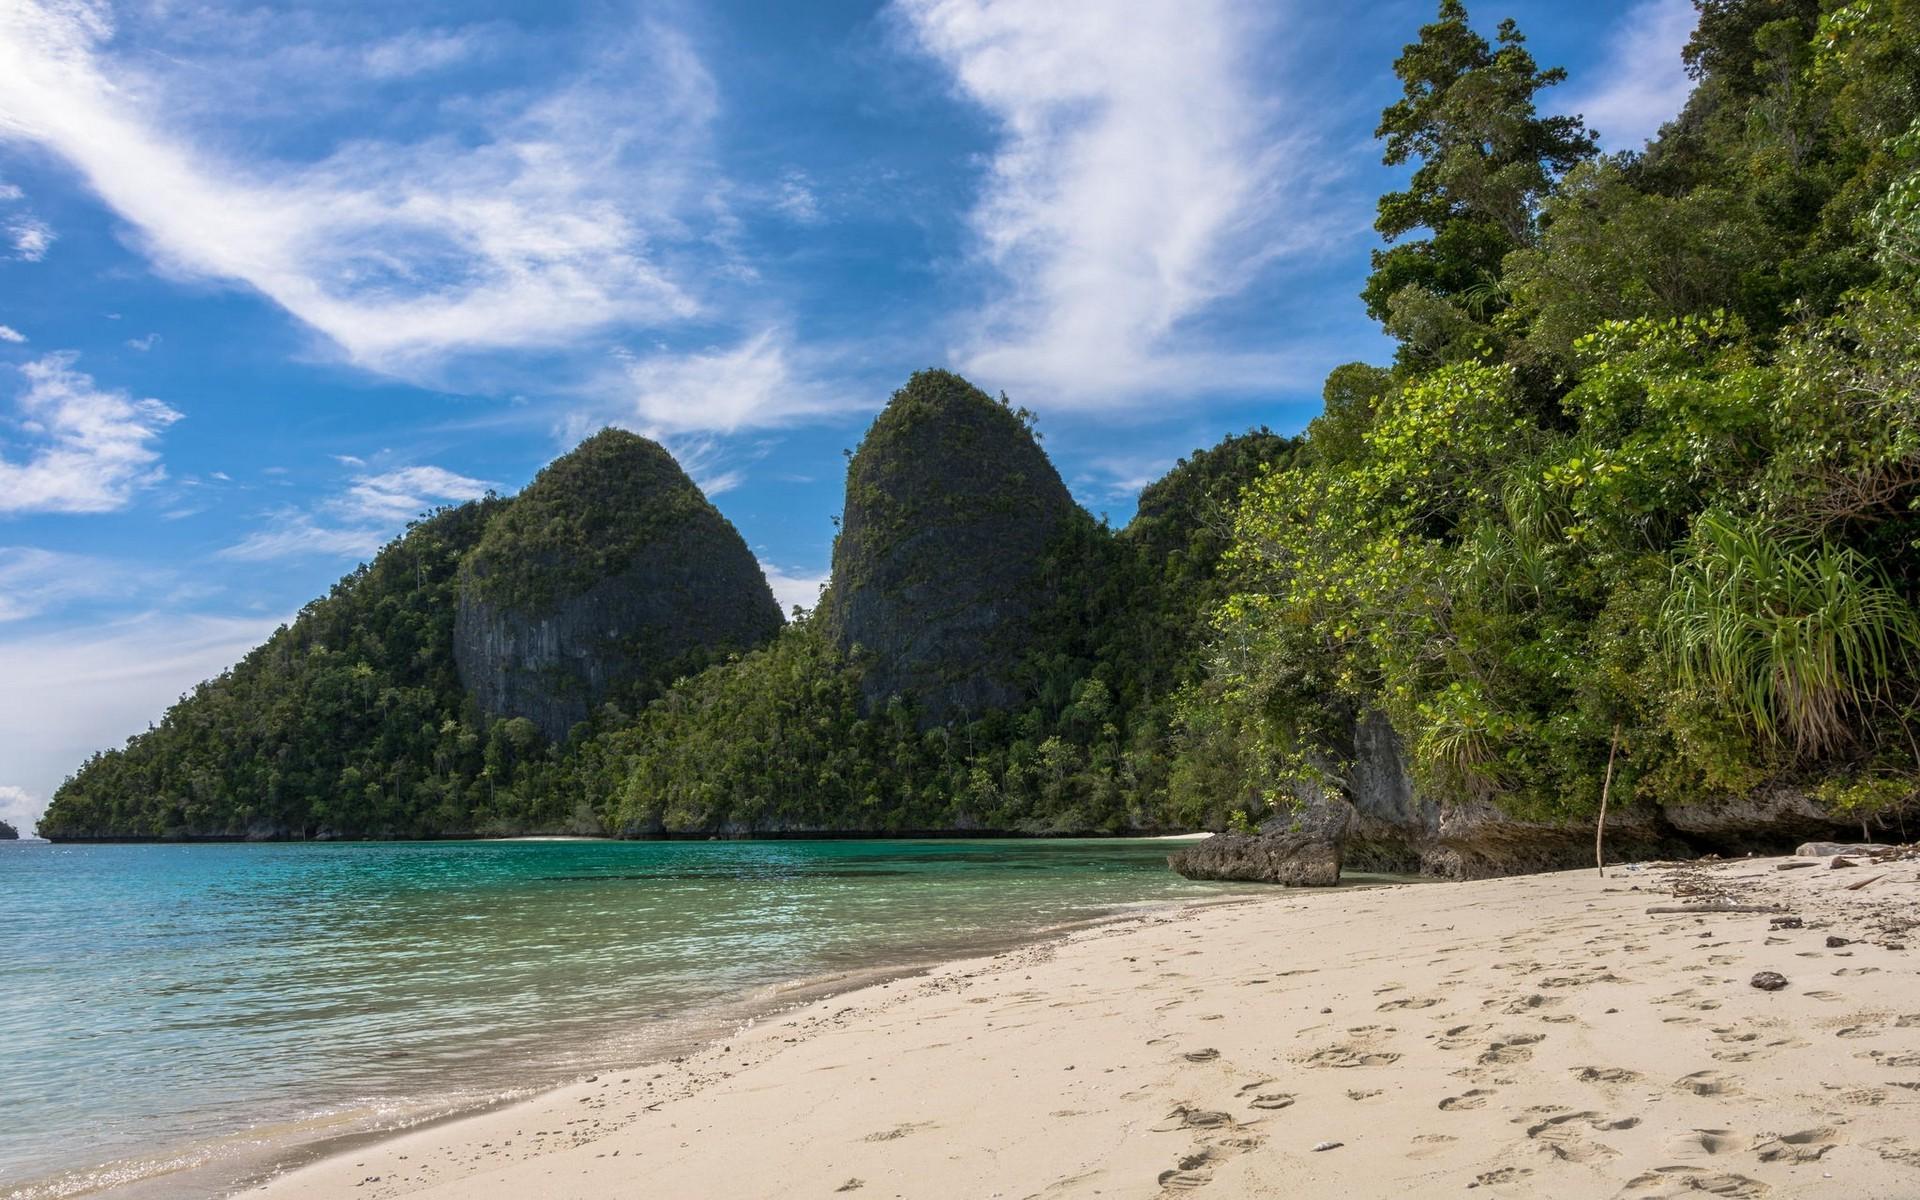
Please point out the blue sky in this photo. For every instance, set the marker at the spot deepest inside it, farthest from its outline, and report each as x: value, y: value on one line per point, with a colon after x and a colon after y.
x: 275, y: 277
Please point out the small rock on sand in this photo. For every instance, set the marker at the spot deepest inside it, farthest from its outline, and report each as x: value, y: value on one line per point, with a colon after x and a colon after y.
x: 1769, y: 981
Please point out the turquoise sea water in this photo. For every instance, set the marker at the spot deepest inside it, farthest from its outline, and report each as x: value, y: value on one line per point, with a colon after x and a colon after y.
x: 184, y: 1016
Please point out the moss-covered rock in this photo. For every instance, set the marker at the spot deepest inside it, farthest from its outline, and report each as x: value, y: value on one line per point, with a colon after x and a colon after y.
x: 938, y: 582
x: 610, y: 574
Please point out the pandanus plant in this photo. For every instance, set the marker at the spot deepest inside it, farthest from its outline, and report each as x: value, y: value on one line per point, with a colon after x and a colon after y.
x: 1799, y: 636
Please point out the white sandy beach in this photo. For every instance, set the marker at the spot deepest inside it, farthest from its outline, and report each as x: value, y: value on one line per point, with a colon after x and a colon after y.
x: 1534, y: 1036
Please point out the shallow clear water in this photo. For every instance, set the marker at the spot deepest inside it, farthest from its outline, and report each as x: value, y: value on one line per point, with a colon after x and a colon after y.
x: 157, y: 1001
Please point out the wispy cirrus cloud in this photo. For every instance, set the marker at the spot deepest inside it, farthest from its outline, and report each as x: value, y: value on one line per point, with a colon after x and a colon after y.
x: 373, y: 507
x: 535, y: 224
x: 760, y: 380
x: 75, y: 447
x: 1643, y: 83
x: 1139, y: 178
x: 31, y: 238
x: 34, y: 580
x: 9, y: 334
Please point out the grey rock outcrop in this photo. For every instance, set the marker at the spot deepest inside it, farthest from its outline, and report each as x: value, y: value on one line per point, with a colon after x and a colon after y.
x: 1388, y: 825
x: 939, y: 572
x: 1297, y: 850
x: 607, y: 575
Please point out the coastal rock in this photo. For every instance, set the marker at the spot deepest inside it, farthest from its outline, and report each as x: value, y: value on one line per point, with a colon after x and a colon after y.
x: 606, y: 577
x: 940, y: 570
x: 8, y: 833
x: 1764, y: 821
x: 1395, y: 828
x: 1302, y: 850
x: 1830, y: 849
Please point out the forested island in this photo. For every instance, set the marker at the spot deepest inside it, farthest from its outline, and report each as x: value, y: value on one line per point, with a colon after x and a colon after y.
x: 1631, y: 516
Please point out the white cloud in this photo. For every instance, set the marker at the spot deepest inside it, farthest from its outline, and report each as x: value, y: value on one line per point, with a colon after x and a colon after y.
x: 86, y: 450
x: 143, y: 344
x: 20, y: 809
x: 1642, y: 83
x: 359, y: 521
x: 9, y: 334
x: 796, y: 199
x: 534, y: 232
x: 1138, y: 180
x: 755, y: 382
x: 295, y: 534
x: 10, y: 192
x: 422, y: 52
x: 798, y: 588
x: 75, y: 691
x: 31, y: 239
x: 1114, y: 477
x: 400, y: 495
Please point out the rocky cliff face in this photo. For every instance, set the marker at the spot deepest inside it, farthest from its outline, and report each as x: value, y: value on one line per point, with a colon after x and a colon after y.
x: 938, y: 572
x: 1379, y: 821
x: 608, y: 575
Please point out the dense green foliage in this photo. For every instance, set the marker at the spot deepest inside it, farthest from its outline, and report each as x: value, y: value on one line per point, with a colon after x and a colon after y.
x: 8, y: 833
x: 1648, y: 464
x: 585, y: 518
x: 352, y: 721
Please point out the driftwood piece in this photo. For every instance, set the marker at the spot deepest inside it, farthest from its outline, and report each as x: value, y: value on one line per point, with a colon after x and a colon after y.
x: 1854, y: 887
x: 1715, y: 908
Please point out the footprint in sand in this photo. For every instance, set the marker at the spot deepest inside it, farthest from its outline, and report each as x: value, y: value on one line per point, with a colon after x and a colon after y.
x: 1802, y: 1147
x: 1525, y: 1004
x: 1563, y: 1137
x: 1712, y: 1141
x: 1677, y: 1182
x: 1605, y: 1075
x: 1472, y: 1098
x: 1199, y: 1056
x: 1187, y: 1117
x: 1501, y: 1175
x: 1427, y: 1145
x: 1896, y: 1150
x: 1510, y: 1049
x: 1408, y: 1002
x: 1707, y: 1083
x: 1461, y: 1036
x: 1272, y: 1100
x: 1195, y: 1168
x: 1858, y: 1031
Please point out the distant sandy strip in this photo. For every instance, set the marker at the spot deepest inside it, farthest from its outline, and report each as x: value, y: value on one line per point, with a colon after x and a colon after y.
x: 1536, y: 1036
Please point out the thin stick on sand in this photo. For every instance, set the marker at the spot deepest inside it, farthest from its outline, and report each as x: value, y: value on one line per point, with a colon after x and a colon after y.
x: 1606, y: 785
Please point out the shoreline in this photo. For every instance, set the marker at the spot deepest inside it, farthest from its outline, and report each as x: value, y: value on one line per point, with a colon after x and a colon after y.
x: 1522, y: 1036
x: 242, y: 1160
x: 801, y: 835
